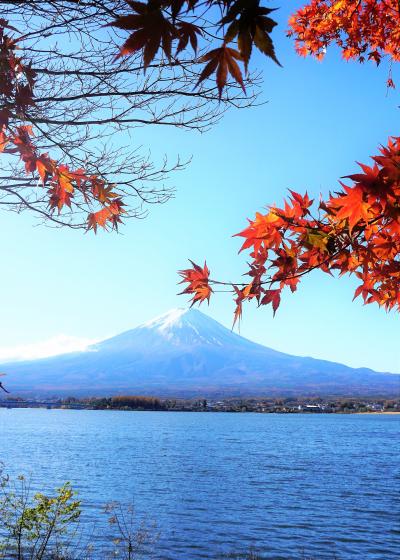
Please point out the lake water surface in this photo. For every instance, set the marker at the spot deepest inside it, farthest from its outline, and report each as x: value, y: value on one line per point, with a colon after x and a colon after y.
x: 290, y: 486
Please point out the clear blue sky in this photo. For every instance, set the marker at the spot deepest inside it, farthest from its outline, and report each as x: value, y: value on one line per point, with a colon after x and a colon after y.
x: 320, y: 118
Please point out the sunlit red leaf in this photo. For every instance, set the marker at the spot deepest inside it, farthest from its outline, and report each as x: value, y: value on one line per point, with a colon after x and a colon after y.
x: 197, y: 280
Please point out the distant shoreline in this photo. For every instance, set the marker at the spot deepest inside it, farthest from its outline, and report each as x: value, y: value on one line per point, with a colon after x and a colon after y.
x: 303, y: 413
x: 284, y: 405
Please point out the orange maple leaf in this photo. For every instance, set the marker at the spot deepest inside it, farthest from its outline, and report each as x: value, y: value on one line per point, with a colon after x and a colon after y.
x: 197, y: 279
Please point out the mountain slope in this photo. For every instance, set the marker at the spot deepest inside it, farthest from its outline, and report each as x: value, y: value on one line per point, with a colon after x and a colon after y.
x: 185, y: 352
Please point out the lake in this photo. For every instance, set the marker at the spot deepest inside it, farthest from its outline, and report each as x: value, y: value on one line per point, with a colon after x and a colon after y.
x: 290, y: 486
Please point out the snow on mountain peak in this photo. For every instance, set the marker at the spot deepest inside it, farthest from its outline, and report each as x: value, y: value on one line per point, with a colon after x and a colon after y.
x: 185, y: 325
x: 172, y: 318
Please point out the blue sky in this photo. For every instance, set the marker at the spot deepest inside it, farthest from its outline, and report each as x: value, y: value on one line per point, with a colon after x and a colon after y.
x: 320, y: 118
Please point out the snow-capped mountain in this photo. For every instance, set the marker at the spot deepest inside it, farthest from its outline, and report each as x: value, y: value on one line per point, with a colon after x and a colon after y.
x: 179, y: 327
x: 185, y: 352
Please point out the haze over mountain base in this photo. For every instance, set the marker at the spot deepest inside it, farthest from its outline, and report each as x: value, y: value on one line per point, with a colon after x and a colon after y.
x: 186, y: 353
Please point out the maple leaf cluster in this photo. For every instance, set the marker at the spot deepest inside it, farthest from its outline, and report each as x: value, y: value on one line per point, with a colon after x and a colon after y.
x: 158, y: 25
x: 61, y: 183
x: 366, y: 29
x: 198, y: 286
x: 355, y: 231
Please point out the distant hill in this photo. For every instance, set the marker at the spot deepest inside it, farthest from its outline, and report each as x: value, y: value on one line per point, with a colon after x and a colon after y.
x: 186, y: 353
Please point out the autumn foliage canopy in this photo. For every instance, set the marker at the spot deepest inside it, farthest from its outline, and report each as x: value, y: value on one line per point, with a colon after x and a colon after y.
x: 64, y: 186
x: 199, y: 51
x: 78, y: 78
x: 357, y: 229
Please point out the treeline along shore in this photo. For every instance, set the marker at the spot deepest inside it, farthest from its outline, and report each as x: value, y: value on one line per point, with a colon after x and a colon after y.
x: 288, y: 405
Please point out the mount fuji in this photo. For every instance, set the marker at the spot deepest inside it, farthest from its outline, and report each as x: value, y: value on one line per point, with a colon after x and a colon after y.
x: 186, y: 353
